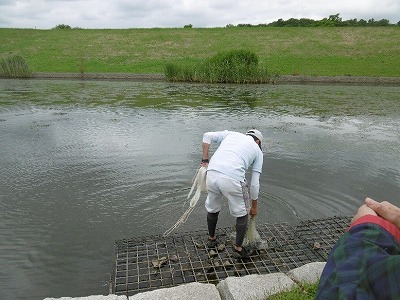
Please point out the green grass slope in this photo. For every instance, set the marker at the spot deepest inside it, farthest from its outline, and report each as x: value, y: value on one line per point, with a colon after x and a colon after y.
x: 325, y: 51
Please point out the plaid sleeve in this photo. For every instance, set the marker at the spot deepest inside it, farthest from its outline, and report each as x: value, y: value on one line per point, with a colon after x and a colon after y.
x: 364, y: 264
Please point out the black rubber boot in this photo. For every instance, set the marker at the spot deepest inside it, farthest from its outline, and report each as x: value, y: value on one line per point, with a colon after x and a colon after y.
x: 212, y: 219
x: 241, y: 227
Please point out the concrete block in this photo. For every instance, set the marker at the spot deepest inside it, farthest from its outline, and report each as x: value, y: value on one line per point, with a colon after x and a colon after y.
x: 95, y: 297
x: 192, y: 291
x: 254, y: 287
x: 308, y: 273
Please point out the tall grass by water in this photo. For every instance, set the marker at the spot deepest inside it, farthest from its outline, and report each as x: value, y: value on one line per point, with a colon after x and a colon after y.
x: 327, y: 51
x: 236, y: 66
x: 14, y: 66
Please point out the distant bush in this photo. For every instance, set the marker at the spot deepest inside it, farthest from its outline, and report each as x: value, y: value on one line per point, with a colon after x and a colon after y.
x: 236, y: 66
x: 62, y: 26
x: 14, y: 67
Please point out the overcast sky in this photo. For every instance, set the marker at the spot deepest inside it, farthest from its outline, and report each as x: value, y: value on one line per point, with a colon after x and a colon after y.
x: 46, y: 14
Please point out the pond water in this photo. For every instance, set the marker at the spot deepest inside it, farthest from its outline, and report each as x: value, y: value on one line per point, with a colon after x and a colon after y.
x: 84, y: 163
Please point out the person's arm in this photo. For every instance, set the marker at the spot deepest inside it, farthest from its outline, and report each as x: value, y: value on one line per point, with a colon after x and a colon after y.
x: 205, y: 159
x: 254, y: 192
x: 208, y: 138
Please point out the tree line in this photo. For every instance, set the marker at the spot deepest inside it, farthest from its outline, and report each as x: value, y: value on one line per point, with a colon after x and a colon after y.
x: 331, y: 21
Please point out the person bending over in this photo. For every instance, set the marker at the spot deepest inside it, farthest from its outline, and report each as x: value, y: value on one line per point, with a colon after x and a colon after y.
x: 226, y: 171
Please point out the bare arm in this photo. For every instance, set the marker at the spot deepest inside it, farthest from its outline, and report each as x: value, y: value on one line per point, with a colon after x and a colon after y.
x: 206, y: 148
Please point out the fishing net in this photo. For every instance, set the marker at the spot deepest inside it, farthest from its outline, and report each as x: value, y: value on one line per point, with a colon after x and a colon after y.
x: 252, y: 239
x: 199, y: 183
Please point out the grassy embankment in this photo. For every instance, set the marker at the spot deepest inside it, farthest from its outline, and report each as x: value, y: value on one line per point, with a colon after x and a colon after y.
x: 326, y: 51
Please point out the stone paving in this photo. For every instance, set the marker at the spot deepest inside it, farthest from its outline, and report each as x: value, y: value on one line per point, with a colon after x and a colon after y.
x: 250, y: 287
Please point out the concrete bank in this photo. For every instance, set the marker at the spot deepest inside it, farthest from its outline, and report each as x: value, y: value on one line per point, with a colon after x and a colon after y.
x: 250, y: 287
x: 282, y: 79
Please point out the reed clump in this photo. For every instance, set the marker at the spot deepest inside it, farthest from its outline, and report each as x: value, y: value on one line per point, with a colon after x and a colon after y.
x: 14, y: 66
x: 235, y: 66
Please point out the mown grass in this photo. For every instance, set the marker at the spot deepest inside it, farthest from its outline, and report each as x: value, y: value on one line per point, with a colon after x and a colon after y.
x: 330, y: 51
x: 304, y: 291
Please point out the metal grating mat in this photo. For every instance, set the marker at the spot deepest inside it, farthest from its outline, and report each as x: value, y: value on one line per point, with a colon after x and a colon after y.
x: 148, y: 263
x: 322, y: 234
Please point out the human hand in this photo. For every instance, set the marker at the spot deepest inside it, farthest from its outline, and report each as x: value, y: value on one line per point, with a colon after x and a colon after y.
x: 253, y: 209
x: 385, y: 210
x: 363, y: 211
x: 253, y: 212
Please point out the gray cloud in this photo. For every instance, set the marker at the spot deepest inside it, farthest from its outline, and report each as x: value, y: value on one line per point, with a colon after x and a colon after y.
x: 169, y: 13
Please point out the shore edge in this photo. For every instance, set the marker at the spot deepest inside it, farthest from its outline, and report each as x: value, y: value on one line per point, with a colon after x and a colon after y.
x: 283, y: 79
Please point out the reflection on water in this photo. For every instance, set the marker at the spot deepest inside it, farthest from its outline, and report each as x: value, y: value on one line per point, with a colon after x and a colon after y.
x: 83, y: 163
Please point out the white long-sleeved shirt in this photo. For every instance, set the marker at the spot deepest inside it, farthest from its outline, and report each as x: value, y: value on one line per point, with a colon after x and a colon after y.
x: 236, y: 153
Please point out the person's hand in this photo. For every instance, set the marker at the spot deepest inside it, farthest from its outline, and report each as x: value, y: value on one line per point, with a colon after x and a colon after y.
x: 363, y: 211
x: 253, y: 209
x: 385, y: 210
x: 253, y: 212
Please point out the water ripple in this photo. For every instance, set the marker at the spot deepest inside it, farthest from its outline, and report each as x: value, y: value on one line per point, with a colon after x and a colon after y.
x: 85, y: 163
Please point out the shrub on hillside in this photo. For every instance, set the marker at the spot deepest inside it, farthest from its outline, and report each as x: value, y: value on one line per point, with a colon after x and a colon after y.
x: 62, y: 26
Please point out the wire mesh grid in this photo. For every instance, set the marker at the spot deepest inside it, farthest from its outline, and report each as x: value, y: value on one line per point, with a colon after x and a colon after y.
x: 322, y: 234
x: 148, y: 263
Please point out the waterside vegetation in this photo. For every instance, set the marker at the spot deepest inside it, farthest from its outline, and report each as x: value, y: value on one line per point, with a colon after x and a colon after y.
x: 14, y: 66
x: 236, y: 66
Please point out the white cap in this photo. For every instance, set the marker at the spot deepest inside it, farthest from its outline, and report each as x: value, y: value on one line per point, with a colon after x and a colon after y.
x: 257, y: 134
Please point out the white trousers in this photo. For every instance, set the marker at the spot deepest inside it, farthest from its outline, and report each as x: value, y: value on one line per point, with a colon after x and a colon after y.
x: 237, y: 193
